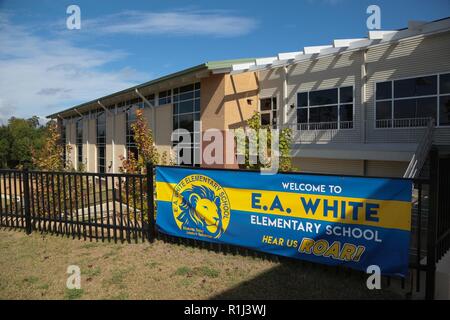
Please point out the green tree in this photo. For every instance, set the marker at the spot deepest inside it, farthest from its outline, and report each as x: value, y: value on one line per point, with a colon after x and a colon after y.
x: 17, y: 140
x: 49, y: 155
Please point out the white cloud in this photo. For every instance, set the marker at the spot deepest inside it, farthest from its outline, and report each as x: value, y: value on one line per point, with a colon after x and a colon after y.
x: 39, y: 76
x: 203, y: 23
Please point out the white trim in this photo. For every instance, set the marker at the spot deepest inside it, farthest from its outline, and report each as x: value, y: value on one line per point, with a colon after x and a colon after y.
x: 315, y: 49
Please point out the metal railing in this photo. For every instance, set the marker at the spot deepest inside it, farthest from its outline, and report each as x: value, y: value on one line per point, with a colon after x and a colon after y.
x: 423, y: 149
x: 402, y: 123
x: 312, y: 126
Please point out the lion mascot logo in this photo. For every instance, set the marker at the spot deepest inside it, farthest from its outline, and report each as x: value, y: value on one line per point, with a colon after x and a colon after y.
x: 201, y: 207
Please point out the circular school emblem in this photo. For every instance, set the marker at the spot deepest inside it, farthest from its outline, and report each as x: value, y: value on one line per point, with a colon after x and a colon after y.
x: 201, y: 206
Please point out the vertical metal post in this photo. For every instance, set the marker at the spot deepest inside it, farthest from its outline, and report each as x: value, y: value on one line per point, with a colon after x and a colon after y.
x: 432, y: 224
x: 150, y: 203
x: 26, y: 196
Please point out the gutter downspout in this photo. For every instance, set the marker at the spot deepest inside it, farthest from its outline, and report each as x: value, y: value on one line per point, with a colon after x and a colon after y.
x: 364, y: 122
x: 285, y: 97
x: 149, y: 105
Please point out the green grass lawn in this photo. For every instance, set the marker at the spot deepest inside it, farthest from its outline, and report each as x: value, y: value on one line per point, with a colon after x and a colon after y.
x: 34, y: 267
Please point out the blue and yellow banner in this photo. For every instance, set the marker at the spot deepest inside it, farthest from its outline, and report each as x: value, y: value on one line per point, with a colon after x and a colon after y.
x: 335, y: 220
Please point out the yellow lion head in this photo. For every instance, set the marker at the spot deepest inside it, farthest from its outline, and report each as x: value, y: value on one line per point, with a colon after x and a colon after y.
x: 200, y: 209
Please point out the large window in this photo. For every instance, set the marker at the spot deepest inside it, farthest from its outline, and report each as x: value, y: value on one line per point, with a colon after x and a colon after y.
x: 101, y: 141
x: 325, y: 109
x: 79, y: 143
x: 444, y: 100
x: 412, y: 102
x: 164, y: 97
x: 130, y: 114
x: 186, y: 110
x: 268, y: 109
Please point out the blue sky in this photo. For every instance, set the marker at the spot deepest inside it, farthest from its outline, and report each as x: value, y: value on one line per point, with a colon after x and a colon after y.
x: 44, y: 67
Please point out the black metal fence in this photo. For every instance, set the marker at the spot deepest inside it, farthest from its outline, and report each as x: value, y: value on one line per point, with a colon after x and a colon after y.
x: 113, y: 207
x: 120, y: 207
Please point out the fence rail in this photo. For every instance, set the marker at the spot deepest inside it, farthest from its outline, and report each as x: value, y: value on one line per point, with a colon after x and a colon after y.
x: 113, y: 207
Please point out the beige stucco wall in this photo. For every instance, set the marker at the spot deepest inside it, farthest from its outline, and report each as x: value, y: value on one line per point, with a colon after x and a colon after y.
x: 110, y: 142
x: 162, y: 127
x: 227, y: 101
x: 120, y: 140
x: 212, y: 102
x: 241, y: 99
x: 85, y: 142
x: 92, y: 149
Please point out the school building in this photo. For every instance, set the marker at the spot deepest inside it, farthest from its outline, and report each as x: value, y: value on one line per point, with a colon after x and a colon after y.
x: 368, y: 106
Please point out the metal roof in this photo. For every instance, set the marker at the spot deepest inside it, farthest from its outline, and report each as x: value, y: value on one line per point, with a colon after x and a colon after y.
x: 211, y: 66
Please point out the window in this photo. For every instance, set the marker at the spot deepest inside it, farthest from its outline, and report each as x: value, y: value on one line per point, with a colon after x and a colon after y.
x: 79, y: 143
x: 268, y: 109
x: 444, y: 100
x: 412, y: 102
x: 151, y: 98
x: 325, y: 109
x: 165, y: 97
x: 186, y: 110
x: 130, y: 116
x: 101, y: 141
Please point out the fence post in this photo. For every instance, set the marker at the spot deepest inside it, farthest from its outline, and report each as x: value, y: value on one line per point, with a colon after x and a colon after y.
x: 432, y: 224
x: 150, y: 203
x: 26, y: 196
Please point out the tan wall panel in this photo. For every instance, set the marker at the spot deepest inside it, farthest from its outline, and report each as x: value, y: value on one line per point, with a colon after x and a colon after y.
x: 241, y: 99
x: 85, y: 143
x: 331, y: 166
x: 109, y: 142
x: 386, y: 168
x: 163, y: 126
x: 92, y: 149
x: 120, y: 136
x: 212, y: 112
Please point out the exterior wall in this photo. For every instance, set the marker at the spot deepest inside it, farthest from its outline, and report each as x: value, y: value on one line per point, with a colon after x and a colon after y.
x: 92, y: 149
x: 385, y: 168
x: 85, y: 143
x: 330, y: 166
x: 162, y: 126
x: 212, y: 112
x: 227, y: 101
x: 241, y: 99
x: 110, y: 142
x: 409, y: 58
x: 119, y: 140
x: 326, y: 73
x: 70, y: 142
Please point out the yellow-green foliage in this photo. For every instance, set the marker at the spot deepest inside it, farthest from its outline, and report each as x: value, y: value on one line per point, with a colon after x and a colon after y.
x: 285, y: 145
